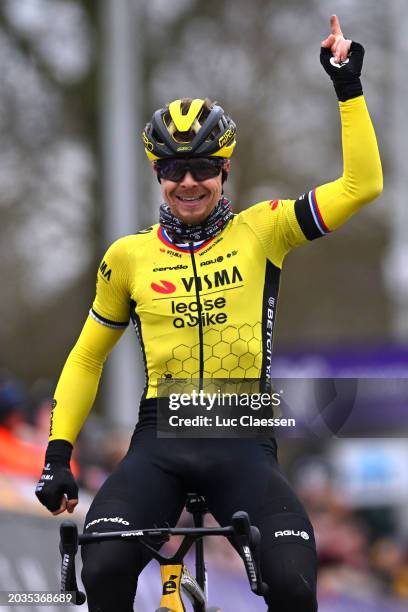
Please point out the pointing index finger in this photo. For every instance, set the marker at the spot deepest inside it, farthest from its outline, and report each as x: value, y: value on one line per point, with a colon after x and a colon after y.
x: 335, y: 26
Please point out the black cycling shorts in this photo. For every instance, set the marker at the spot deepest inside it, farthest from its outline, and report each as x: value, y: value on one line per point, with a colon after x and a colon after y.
x: 148, y: 488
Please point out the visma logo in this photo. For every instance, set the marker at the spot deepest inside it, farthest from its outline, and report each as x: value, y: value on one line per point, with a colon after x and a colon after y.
x: 105, y: 271
x: 210, y: 281
x: 164, y: 287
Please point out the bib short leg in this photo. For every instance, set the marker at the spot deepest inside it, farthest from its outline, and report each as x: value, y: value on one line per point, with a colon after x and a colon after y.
x: 142, y: 492
x: 245, y: 475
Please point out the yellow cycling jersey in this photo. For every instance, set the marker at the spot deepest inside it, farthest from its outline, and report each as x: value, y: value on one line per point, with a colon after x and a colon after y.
x: 207, y: 310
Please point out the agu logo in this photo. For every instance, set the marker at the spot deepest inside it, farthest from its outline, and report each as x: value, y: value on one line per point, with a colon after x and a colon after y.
x: 163, y: 287
x: 292, y: 532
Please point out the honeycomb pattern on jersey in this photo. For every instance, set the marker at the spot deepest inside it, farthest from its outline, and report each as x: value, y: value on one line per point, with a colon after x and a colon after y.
x: 231, y: 352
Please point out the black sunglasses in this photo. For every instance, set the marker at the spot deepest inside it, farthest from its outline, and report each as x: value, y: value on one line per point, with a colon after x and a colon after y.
x: 202, y: 168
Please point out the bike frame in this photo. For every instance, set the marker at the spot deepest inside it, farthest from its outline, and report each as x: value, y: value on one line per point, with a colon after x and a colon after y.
x: 244, y: 536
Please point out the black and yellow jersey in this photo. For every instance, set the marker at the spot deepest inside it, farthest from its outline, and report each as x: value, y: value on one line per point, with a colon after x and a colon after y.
x: 207, y: 310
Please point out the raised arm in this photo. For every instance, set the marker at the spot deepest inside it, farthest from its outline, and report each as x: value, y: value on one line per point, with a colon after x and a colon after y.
x: 361, y: 181
x: 284, y: 224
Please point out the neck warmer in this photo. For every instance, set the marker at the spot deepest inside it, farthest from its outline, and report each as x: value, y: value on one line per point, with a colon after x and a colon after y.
x: 213, y: 225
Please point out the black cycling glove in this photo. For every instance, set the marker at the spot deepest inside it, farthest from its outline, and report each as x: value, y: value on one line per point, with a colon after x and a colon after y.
x: 56, y: 479
x: 345, y: 76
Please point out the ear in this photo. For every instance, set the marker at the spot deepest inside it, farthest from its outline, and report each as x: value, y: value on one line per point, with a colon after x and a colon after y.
x: 225, y: 170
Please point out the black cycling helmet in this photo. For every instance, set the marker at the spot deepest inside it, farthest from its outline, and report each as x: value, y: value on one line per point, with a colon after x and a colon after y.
x: 189, y: 128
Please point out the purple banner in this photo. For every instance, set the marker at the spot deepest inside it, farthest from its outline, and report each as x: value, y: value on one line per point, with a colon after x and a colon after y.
x: 382, y: 361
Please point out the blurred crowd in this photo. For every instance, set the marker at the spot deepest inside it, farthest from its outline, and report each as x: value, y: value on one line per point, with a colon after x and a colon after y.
x: 361, y: 551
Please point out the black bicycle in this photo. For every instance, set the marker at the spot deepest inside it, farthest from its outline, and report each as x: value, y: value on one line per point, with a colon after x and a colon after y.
x: 176, y: 579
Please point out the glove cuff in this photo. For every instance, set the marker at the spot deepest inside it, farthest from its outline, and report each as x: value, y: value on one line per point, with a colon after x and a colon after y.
x: 59, y: 451
x: 347, y: 91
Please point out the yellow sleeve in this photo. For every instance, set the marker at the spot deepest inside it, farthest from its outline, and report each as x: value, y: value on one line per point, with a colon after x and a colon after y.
x: 109, y: 317
x: 111, y: 306
x: 362, y: 179
x: 79, y: 380
x: 284, y: 224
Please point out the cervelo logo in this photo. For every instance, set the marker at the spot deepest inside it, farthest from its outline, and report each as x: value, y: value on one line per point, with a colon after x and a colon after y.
x: 165, y: 287
x: 291, y: 532
x: 110, y: 519
x: 170, y: 586
x: 178, y: 267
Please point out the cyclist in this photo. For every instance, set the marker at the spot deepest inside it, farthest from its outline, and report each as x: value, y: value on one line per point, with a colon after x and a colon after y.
x: 187, y: 319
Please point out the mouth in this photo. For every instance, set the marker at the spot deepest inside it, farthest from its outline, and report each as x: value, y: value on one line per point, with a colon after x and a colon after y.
x: 190, y: 199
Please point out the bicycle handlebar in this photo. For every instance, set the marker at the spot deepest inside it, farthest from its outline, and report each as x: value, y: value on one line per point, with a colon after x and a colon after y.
x: 158, y: 533
x: 246, y: 538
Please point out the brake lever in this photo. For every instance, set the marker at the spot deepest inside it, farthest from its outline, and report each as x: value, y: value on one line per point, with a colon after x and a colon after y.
x: 248, y: 538
x: 68, y: 549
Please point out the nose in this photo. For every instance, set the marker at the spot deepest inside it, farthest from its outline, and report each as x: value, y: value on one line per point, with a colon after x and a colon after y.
x: 188, y: 180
